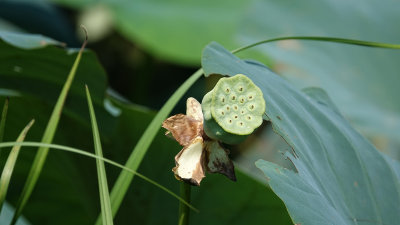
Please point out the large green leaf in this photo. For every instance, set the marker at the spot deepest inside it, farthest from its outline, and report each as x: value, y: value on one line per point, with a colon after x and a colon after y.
x: 174, y: 30
x: 341, y: 178
x: 32, y: 65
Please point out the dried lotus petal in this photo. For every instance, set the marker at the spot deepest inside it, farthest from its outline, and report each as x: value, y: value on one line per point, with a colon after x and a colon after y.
x: 189, y: 163
x: 183, y: 128
x: 218, y: 160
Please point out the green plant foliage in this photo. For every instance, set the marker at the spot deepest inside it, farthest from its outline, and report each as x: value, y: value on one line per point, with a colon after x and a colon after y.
x: 341, y: 178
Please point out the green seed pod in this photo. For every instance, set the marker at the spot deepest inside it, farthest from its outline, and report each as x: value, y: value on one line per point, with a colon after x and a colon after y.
x: 233, y: 109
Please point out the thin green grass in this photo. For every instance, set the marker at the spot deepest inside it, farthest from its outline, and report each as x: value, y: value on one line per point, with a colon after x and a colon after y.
x: 48, y: 135
x: 121, y: 186
x: 324, y: 39
x: 10, y: 163
x: 90, y: 155
x: 106, y: 212
x: 3, y: 119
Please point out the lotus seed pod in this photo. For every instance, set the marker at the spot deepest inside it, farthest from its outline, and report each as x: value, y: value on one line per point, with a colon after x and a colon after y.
x: 233, y: 109
x: 211, y: 127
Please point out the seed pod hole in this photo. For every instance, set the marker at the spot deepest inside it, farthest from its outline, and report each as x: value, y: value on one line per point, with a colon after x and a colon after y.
x: 227, y: 90
x: 235, y: 107
x: 240, y: 88
x: 251, y: 107
x: 223, y: 100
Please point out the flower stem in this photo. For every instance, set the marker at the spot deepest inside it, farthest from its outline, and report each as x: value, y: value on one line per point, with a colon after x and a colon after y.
x: 184, y: 210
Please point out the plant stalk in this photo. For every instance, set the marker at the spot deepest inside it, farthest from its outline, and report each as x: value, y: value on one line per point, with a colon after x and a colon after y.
x: 184, y: 209
x: 326, y: 39
x: 3, y: 119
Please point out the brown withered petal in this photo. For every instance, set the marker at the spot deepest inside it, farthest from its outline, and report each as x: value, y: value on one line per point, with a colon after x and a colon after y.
x: 189, y: 162
x: 183, y: 128
x: 193, y: 109
x: 218, y: 160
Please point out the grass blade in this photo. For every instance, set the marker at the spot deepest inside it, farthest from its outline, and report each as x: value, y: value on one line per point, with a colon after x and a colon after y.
x: 3, y: 119
x: 124, y: 179
x: 106, y: 212
x: 325, y: 39
x: 9, y: 166
x: 48, y: 135
x: 90, y: 155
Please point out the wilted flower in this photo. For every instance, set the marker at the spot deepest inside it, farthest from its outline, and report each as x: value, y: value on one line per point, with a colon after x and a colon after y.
x: 199, y: 153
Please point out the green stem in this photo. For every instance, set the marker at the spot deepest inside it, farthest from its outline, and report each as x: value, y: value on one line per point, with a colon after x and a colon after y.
x: 325, y: 39
x: 184, y: 209
x: 3, y: 119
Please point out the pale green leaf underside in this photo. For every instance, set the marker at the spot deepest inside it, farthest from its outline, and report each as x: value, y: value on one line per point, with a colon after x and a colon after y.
x: 27, y: 41
x: 7, y: 214
x: 342, y: 178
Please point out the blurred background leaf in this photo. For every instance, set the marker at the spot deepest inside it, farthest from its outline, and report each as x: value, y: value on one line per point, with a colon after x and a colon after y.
x: 362, y: 82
